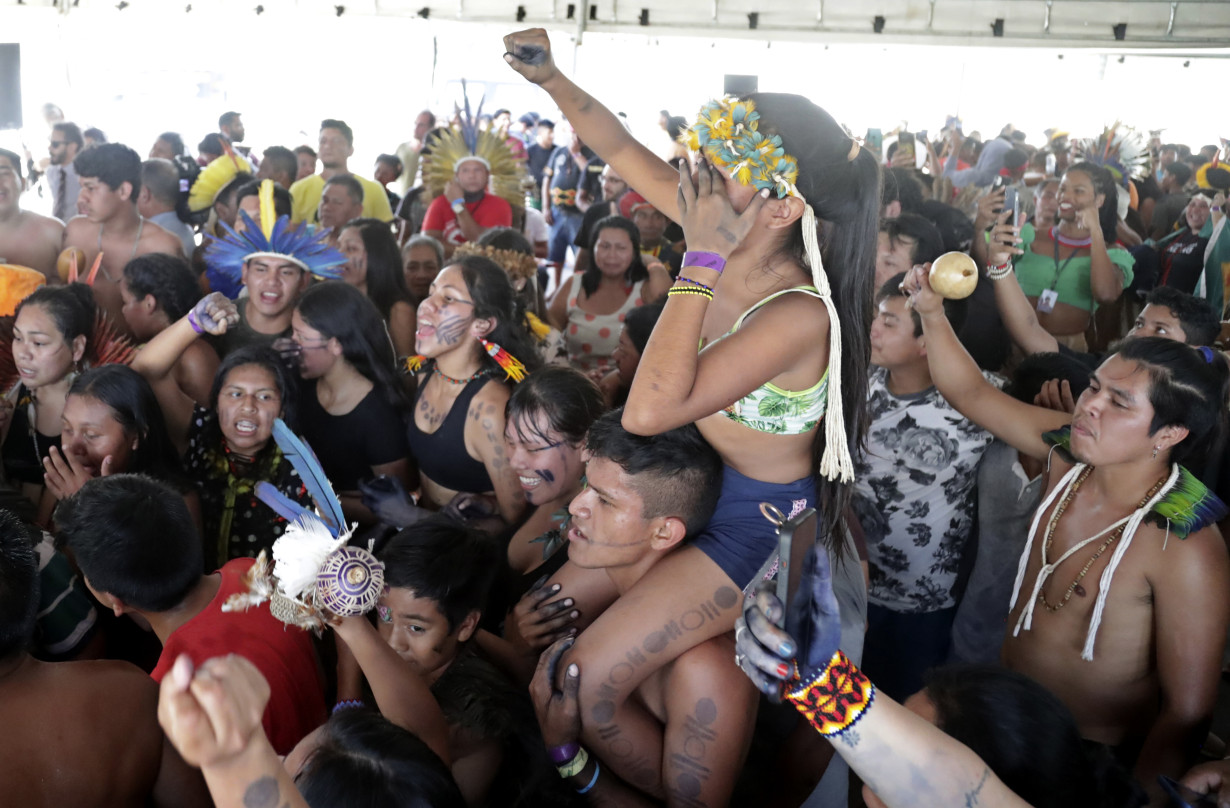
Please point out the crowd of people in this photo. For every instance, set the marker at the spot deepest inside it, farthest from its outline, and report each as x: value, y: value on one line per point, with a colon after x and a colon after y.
x: 577, y: 398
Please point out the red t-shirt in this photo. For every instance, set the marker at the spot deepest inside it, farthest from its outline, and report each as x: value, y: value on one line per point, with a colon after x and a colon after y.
x: 490, y: 211
x: 282, y: 653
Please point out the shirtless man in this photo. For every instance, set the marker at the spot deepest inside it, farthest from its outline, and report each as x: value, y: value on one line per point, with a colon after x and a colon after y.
x: 110, y: 184
x: 77, y: 733
x: 26, y: 238
x: 645, y: 497
x: 1136, y: 658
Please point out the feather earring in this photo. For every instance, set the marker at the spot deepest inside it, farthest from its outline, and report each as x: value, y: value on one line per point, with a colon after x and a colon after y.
x: 512, y: 368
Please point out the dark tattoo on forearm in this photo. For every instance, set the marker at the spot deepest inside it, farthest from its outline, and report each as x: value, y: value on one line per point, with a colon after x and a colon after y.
x: 618, y: 749
x: 263, y: 793
x: 688, y: 767
x: 971, y: 796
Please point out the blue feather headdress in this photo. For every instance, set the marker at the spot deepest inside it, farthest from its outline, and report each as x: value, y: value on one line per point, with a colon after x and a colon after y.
x: 273, y: 237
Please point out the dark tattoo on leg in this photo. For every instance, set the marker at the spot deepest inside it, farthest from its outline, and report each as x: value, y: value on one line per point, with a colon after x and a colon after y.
x: 688, y: 767
x: 621, y: 752
x: 614, y: 688
x: 261, y: 794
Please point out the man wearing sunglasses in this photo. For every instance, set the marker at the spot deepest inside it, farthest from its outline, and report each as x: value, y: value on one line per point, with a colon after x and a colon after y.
x: 62, y: 147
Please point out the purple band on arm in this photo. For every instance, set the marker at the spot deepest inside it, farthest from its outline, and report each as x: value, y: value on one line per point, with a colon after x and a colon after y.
x: 192, y: 321
x: 563, y: 753
x: 707, y: 260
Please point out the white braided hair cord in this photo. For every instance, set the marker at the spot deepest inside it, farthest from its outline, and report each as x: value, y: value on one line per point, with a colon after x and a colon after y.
x: 1131, y: 524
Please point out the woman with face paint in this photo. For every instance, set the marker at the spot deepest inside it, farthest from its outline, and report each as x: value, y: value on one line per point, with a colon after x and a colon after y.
x: 456, y: 432
x: 546, y: 421
x: 545, y: 424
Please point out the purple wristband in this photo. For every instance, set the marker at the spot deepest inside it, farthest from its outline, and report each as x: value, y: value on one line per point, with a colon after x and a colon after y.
x: 707, y: 260
x: 563, y: 753
x: 192, y: 321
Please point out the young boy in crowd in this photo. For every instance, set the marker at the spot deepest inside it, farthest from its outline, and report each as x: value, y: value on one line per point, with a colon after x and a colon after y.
x: 139, y: 553
x: 438, y: 573
x: 111, y: 226
x: 914, y: 498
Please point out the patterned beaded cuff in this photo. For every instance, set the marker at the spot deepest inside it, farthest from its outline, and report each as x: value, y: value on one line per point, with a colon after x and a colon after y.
x: 836, y: 699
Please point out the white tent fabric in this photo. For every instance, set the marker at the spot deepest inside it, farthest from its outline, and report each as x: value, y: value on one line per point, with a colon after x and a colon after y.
x: 1164, y: 24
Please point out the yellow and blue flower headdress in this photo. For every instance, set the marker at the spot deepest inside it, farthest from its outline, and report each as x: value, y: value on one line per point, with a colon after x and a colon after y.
x: 727, y: 132
x: 274, y: 237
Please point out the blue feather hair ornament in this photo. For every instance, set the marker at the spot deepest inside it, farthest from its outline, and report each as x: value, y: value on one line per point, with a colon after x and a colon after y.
x: 304, y: 461
x: 315, y: 574
x: 300, y: 244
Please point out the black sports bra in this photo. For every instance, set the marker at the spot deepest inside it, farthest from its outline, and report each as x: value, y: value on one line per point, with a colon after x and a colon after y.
x: 442, y: 454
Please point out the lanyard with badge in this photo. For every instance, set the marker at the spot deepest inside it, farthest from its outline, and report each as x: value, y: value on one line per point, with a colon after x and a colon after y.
x: 1049, y: 297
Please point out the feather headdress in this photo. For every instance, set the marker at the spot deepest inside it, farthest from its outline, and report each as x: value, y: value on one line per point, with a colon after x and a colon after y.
x: 214, y: 177
x: 1217, y: 181
x: 300, y: 244
x: 1120, y: 149
x: 314, y: 572
x: 466, y: 141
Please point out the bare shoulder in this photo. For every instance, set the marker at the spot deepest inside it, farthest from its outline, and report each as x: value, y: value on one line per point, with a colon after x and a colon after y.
x: 78, y: 229
x: 47, y: 226
x: 156, y: 239
x: 117, y: 679
x: 804, y: 314
x: 491, y: 398
x: 1201, y: 555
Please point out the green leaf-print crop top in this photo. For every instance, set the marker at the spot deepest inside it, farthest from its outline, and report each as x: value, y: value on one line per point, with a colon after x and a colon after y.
x: 771, y: 409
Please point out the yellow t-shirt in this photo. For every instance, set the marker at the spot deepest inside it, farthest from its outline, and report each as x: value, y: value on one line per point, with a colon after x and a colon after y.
x: 305, y: 199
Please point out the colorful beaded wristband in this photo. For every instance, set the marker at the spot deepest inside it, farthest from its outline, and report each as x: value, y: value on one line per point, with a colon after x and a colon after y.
x: 708, y: 260
x: 564, y: 752
x: 691, y: 282
x: 689, y: 290
x: 575, y: 765
x: 836, y: 699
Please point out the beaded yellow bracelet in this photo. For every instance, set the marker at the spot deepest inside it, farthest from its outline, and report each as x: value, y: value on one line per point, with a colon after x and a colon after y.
x: 836, y: 699
x: 690, y: 282
x: 689, y: 290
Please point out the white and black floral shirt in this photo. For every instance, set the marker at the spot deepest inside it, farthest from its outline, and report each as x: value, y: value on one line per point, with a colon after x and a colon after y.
x: 914, y: 495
